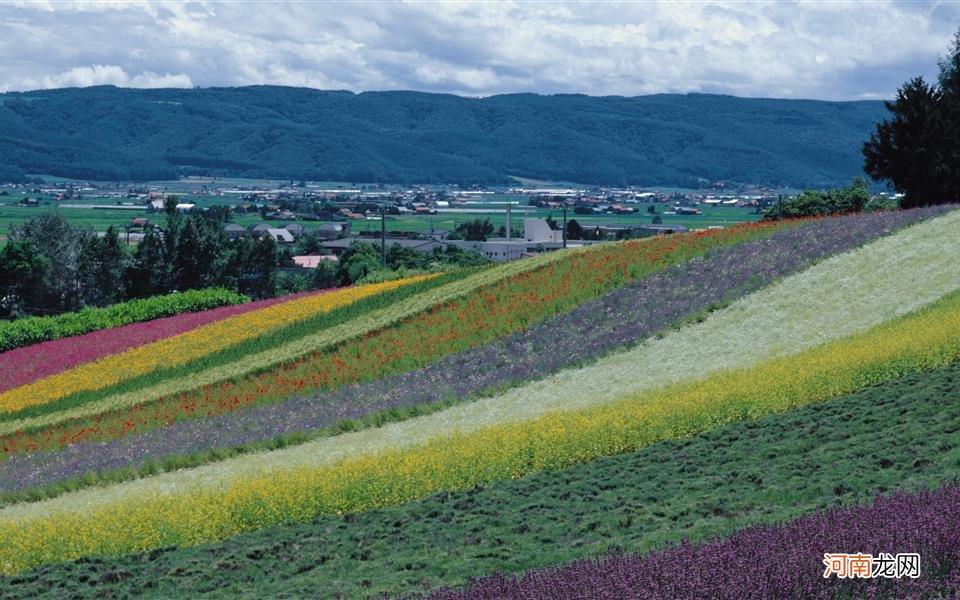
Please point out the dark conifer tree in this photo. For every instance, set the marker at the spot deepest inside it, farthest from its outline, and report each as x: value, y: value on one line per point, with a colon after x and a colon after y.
x: 917, y: 149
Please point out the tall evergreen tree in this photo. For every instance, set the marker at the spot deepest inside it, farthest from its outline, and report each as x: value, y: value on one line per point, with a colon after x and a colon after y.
x: 917, y: 149
x: 949, y: 80
x: 187, y: 262
x: 574, y: 230
x: 265, y: 266
x: 171, y: 237
x: 147, y: 273
x: 102, y: 269
x: 23, y: 272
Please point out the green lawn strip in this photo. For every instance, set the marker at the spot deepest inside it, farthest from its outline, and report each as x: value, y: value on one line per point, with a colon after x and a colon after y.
x: 902, y: 435
x: 271, y: 339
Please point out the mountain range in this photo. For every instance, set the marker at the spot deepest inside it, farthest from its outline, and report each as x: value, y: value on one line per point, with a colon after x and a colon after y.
x: 108, y: 133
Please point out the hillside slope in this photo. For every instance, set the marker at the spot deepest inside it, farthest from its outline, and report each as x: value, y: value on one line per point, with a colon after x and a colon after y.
x: 112, y: 133
x: 845, y: 328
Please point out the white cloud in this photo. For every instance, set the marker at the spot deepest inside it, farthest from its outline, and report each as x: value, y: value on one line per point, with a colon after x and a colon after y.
x: 819, y: 49
x: 112, y: 75
x: 87, y: 76
x: 148, y: 79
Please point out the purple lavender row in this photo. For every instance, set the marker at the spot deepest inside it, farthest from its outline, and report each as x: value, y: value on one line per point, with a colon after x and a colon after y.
x: 591, y: 330
x: 784, y: 561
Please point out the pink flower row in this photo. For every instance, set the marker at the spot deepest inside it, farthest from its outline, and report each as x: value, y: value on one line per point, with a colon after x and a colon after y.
x: 25, y: 365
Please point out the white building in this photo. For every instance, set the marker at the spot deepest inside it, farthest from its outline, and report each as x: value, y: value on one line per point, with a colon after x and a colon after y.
x: 537, y: 230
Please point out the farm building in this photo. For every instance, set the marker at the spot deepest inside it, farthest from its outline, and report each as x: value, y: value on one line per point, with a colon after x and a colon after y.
x: 234, y: 231
x: 332, y: 231
x: 281, y: 236
x: 296, y: 229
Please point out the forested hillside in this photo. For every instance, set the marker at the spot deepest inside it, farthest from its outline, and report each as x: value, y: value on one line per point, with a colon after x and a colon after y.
x: 113, y: 133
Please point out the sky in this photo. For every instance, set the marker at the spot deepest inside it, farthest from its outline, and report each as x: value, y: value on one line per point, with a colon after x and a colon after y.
x: 825, y: 50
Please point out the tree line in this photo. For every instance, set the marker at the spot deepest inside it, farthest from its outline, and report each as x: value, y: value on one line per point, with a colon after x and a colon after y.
x: 854, y: 198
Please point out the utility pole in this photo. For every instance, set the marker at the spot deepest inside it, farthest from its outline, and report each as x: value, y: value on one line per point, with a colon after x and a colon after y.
x: 509, y: 221
x: 383, y: 236
x: 564, y: 224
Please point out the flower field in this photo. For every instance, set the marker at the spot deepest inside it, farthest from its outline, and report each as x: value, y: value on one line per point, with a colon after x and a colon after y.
x: 407, y: 402
x: 775, y: 469
x: 33, y: 330
x: 598, y: 326
x: 184, y: 347
x: 21, y: 366
x: 204, y: 505
x: 401, y: 336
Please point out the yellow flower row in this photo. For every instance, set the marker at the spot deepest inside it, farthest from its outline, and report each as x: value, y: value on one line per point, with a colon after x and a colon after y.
x: 183, y: 348
x: 187, y: 514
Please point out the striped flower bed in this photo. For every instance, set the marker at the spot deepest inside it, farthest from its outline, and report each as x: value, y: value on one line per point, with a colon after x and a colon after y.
x: 594, y: 328
x: 34, y: 330
x: 705, y: 487
x: 185, y: 347
x: 474, y: 311
x: 783, y: 561
x: 31, y: 363
x: 200, y: 505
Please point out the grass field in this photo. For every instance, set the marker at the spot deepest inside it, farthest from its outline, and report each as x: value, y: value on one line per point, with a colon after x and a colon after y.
x: 98, y: 219
x: 901, y: 435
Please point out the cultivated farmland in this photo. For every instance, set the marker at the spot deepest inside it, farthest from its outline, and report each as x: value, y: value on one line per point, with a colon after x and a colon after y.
x: 391, y: 438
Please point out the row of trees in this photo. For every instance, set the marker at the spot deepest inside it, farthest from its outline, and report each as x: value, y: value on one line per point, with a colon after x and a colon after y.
x: 478, y: 230
x: 854, y: 198
x: 362, y: 261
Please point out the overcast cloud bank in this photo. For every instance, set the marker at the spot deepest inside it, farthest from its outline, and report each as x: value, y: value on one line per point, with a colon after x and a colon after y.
x: 843, y: 50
